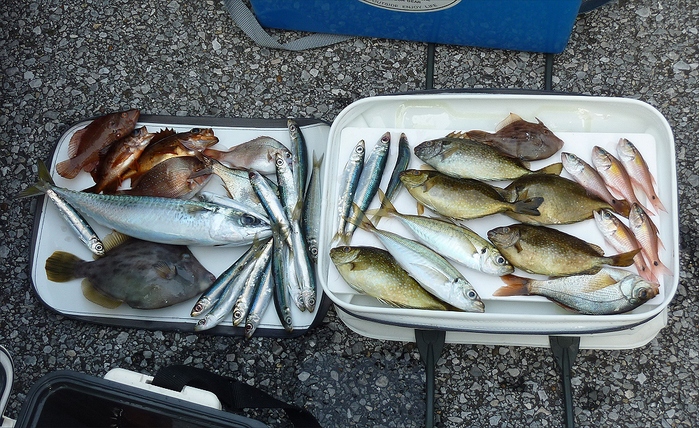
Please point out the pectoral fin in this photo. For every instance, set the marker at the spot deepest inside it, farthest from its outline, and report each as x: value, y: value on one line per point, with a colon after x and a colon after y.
x: 97, y: 297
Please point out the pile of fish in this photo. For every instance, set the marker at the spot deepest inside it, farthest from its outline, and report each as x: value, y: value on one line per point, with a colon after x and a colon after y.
x: 460, y: 181
x: 149, y: 187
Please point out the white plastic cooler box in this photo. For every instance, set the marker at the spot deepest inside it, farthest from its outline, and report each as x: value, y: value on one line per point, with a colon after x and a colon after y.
x: 580, y: 121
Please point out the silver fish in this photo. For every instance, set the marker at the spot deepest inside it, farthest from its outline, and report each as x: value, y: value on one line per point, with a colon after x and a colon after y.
x: 77, y: 222
x: 164, y: 220
x: 312, y: 209
x: 259, y: 304
x: 255, y: 277
x: 609, y: 291
x: 144, y: 275
x: 455, y: 242
x: 402, y: 162
x: 299, y: 158
x: 348, y: 185
x: 369, y: 181
x: 237, y: 183
x: 429, y: 269
x: 281, y: 274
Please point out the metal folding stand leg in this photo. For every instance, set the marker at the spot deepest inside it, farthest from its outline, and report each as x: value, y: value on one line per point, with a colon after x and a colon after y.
x: 429, y: 344
x: 565, y: 349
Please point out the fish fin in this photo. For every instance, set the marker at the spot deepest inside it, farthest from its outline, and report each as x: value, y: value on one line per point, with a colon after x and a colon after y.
x: 478, y: 135
x: 114, y: 239
x: 515, y: 286
x: 60, y: 266
x: 509, y: 120
x: 528, y: 206
x: 67, y: 169
x: 386, y: 208
x: 42, y: 183
x: 518, y: 246
x: 596, y: 248
x: 621, y: 207
x: 420, y: 209
x: 458, y: 134
x: 165, y: 270
x: 624, y: 259
x: 97, y: 297
x: 553, y: 169
x: 74, y: 143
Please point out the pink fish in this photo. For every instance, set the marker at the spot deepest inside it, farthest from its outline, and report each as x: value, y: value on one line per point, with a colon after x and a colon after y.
x: 614, y: 174
x: 646, y: 233
x: 590, y: 179
x: 639, y: 172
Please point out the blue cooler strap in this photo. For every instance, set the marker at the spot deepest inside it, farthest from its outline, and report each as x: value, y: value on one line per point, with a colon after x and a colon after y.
x: 246, y: 21
x: 233, y: 394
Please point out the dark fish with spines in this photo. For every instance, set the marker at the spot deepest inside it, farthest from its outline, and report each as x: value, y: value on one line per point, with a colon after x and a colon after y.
x: 374, y: 271
x: 86, y: 144
x: 607, y: 292
x: 461, y: 157
x: 143, y: 274
x: 461, y: 198
x: 564, y: 201
x: 547, y: 251
x: 521, y: 139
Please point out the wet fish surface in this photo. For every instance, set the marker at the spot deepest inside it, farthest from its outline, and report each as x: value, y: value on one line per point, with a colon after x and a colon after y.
x: 257, y: 154
x: 639, y: 172
x: 607, y: 292
x: 520, y: 139
x: 547, y: 251
x: 373, y: 271
x: 144, y: 275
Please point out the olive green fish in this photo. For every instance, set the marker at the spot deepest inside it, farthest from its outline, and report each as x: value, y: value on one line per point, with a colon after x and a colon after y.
x: 564, y: 201
x: 461, y: 198
x: 460, y: 156
x: 609, y: 291
x: 547, y: 251
x: 375, y: 272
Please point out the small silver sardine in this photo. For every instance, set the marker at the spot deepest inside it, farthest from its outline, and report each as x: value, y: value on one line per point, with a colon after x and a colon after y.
x: 348, y: 185
x: 164, y: 220
x: 609, y: 291
x: 402, y: 162
x: 255, y: 277
x: 299, y: 159
x: 369, y: 182
x: 260, y: 303
x: 429, y: 269
x: 312, y: 209
x: 77, y: 222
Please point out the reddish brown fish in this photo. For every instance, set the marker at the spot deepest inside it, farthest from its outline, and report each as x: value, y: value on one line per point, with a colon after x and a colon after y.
x: 85, y: 144
x: 517, y: 138
x: 118, y: 159
x: 172, y: 178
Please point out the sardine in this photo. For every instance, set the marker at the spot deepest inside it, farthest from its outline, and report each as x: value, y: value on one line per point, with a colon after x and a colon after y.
x: 402, y: 162
x: 521, y: 139
x: 455, y: 242
x: 272, y: 205
x: 348, y: 185
x: 564, y: 201
x: 374, y: 271
x: 288, y: 192
x: 164, y: 220
x: 178, y: 177
x: 257, y: 154
x: 118, y: 159
x: 638, y: 171
x: 614, y: 174
x: 547, y: 251
x: 646, y: 233
x: 589, y: 178
x: 312, y: 209
x: 75, y: 220
x: 299, y: 158
x: 280, y: 275
x: 609, y: 291
x: 254, y: 278
x: 461, y: 198
x: 369, y: 182
x: 86, y: 143
x: 461, y: 157
x: 144, y: 275
x: 432, y: 271
x: 259, y: 304
x: 622, y: 239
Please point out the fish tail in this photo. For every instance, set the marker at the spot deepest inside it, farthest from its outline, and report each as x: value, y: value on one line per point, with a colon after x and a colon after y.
x: 528, y: 206
x: 553, y: 169
x: 515, y: 286
x: 624, y: 259
x: 60, y: 266
x: 44, y: 182
x: 386, y: 208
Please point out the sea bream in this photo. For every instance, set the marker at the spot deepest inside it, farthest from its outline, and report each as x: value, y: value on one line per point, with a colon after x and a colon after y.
x: 607, y: 292
x: 521, y: 139
x: 143, y: 274
x: 164, y: 220
x: 459, y: 156
x: 85, y: 144
x: 257, y: 154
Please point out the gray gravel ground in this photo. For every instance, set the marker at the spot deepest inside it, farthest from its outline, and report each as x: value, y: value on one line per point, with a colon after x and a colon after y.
x: 64, y: 61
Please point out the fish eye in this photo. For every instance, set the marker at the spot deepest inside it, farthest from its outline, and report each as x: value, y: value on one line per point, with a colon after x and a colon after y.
x: 195, y: 130
x: 500, y: 260
x: 384, y: 139
x: 279, y: 161
x: 359, y: 149
x: 202, y: 321
x: 248, y: 220
x: 346, y: 249
x: 314, y: 251
x: 471, y: 294
x: 186, y: 256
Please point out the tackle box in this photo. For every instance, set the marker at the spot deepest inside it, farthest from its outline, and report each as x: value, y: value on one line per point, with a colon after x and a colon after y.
x: 532, y: 25
x: 581, y: 121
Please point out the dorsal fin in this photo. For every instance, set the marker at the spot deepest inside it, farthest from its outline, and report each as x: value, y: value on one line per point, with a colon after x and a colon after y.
x: 458, y: 134
x: 509, y: 120
x: 114, y: 239
x: 74, y: 143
